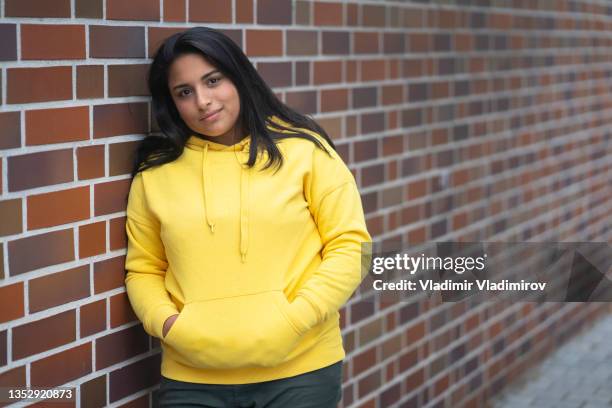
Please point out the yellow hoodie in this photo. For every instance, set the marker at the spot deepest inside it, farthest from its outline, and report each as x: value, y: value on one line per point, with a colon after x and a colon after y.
x: 257, y: 263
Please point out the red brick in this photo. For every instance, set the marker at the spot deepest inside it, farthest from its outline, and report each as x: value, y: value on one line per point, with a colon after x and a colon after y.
x: 373, y: 16
x: 210, y: 11
x: 49, y: 42
x: 59, y: 288
x: 372, y: 70
x: 156, y: 35
x: 62, y: 367
x: 10, y: 214
x: 327, y: 72
x: 111, y: 197
x: 328, y: 14
x: 363, y: 361
x: 51, y: 248
x: 93, y: 392
x: 127, y: 80
x: 11, y: 302
x: 122, y: 157
x: 174, y: 10
x: 244, y: 11
x: 44, y: 334
x: 120, y: 346
x: 120, y: 119
x: 92, y: 239
x: 40, y: 169
x: 334, y: 100
x: 118, y: 237
x: 13, y: 378
x: 109, y: 274
x: 58, y: 207
x: 121, y: 311
x: 92, y: 318
x: 37, y: 8
x: 60, y: 125
x: 132, y: 10
x: 26, y: 85
x: 264, y: 43
x: 10, y: 130
x: 366, y: 42
x: 90, y: 81
x: 3, y: 349
x: 2, y: 276
x: 369, y: 384
x: 90, y: 162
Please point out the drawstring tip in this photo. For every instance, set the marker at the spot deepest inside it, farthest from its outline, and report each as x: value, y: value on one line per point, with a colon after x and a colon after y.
x: 212, y: 228
x: 243, y: 256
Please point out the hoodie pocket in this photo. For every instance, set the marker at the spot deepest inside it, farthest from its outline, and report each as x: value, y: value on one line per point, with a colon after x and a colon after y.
x: 242, y: 331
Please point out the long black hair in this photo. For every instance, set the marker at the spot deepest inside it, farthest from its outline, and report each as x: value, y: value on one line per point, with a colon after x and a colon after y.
x: 257, y: 101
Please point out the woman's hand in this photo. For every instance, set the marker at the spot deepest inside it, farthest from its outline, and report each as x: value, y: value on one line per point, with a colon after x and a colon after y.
x: 168, y: 324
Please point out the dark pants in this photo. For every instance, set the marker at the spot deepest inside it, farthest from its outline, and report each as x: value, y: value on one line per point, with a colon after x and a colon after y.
x: 321, y: 388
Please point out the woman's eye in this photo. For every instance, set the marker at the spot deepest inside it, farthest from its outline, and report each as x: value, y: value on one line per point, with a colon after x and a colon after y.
x: 184, y: 92
x: 214, y: 81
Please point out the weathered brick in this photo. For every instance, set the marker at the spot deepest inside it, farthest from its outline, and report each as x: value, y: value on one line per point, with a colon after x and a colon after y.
x: 11, y: 302
x: 120, y: 119
x: 210, y: 11
x: 132, y: 10
x: 121, y: 345
x: 116, y: 42
x: 37, y: 8
x: 62, y: 367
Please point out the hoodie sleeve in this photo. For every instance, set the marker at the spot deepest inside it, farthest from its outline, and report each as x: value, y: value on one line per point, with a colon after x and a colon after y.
x: 336, y: 207
x: 146, y: 263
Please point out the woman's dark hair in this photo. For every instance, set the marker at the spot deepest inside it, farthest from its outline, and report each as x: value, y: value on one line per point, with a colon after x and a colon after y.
x: 257, y: 101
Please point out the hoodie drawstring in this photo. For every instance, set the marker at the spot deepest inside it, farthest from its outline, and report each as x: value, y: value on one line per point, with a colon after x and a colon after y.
x: 245, y: 175
x: 206, y: 179
x: 244, y: 212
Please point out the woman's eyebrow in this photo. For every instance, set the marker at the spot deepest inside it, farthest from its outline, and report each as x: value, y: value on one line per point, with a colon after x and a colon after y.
x: 202, y: 78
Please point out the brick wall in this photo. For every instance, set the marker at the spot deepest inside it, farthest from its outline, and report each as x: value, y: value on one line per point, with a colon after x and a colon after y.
x: 462, y: 120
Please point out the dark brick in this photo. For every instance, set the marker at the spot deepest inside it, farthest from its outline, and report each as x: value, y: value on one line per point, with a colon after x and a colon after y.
x: 274, y: 12
x: 336, y: 42
x: 40, y: 169
x: 301, y: 42
x: 93, y: 392
x: 120, y: 346
x: 62, y: 367
x: 364, y: 97
x: 275, y: 73
x: 372, y: 122
x: 50, y: 248
x: 442, y: 42
x: 37, y: 8
x: 88, y: 8
x: 116, y: 42
x: 134, y: 377
x: 41, y: 335
x: 303, y: 101
x: 8, y: 45
x: 412, y: 117
x: 418, y: 92
x: 120, y: 119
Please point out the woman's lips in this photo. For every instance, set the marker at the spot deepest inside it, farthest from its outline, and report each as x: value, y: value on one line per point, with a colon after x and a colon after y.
x: 211, y: 117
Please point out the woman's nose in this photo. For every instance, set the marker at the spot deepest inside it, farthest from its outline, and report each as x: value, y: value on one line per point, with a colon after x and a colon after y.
x: 203, y: 99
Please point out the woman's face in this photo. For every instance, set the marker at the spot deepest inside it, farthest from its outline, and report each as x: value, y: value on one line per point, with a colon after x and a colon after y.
x: 205, y: 98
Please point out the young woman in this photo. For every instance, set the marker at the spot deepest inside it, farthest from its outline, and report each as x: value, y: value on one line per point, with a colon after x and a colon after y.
x: 244, y: 236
